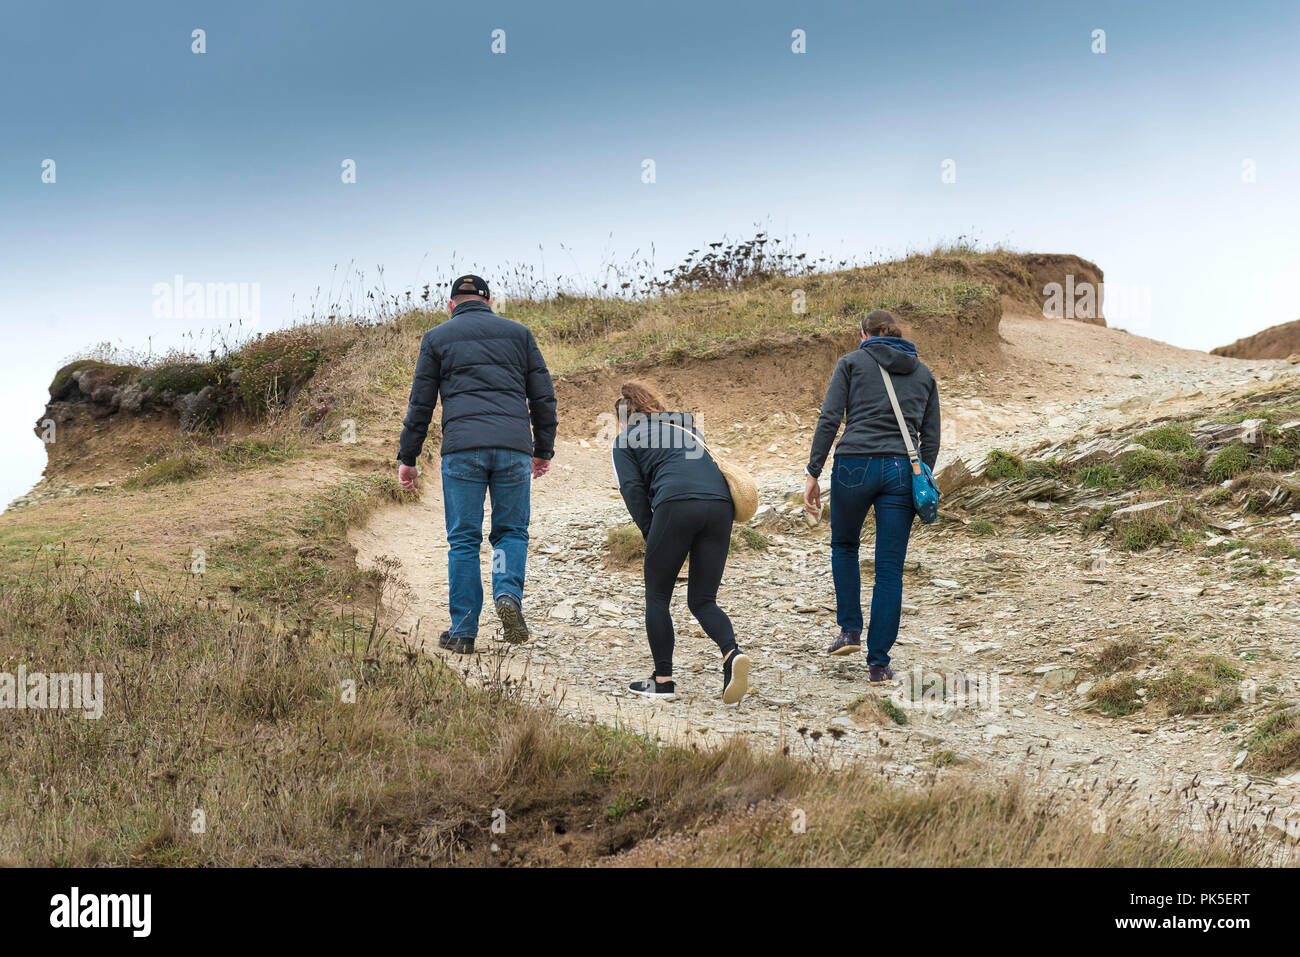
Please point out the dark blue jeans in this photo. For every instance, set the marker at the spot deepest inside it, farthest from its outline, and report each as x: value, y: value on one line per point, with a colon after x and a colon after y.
x: 884, y: 481
x: 466, y: 477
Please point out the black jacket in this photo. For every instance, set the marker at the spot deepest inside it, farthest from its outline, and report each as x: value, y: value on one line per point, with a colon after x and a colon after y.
x: 656, y: 462
x: 857, y: 397
x: 493, y: 382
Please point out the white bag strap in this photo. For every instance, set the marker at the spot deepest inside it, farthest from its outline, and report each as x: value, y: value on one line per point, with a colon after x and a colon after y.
x: 695, y: 435
x: 898, y: 414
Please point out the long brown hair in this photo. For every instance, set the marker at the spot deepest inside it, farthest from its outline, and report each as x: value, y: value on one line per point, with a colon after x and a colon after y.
x: 881, y: 323
x: 639, y: 396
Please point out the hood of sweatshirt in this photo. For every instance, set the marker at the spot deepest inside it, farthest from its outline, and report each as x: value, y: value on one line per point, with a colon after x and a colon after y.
x: 898, y: 356
x: 641, y: 420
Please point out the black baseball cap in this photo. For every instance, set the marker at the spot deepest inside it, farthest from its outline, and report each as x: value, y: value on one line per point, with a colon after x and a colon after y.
x: 470, y: 285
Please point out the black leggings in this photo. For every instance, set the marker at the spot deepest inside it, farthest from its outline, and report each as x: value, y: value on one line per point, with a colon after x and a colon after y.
x: 700, y: 528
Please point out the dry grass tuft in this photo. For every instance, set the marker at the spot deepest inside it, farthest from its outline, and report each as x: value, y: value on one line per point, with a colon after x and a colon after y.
x: 624, y: 545
x: 1274, y: 746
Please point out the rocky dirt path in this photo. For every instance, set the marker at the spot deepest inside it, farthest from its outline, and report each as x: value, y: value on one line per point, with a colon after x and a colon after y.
x: 1016, y: 611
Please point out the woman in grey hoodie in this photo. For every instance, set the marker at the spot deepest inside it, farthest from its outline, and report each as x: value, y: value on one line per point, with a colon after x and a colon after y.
x: 871, y: 469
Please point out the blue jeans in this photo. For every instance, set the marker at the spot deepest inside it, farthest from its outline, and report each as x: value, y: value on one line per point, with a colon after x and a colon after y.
x: 884, y: 481
x: 466, y: 476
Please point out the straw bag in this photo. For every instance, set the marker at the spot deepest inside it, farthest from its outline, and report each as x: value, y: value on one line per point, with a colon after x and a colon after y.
x: 744, y: 493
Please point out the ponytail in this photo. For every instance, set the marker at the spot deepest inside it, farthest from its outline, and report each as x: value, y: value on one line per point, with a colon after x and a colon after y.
x: 640, y: 396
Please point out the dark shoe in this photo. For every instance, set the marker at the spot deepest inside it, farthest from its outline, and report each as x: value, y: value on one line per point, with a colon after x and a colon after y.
x: 654, y: 689
x: 880, y: 674
x: 514, y: 629
x: 848, y: 643
x: 735, y: 677
x: 461, y: 644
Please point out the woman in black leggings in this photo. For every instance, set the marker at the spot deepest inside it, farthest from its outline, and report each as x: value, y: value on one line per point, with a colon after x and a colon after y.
x: 678, y: 498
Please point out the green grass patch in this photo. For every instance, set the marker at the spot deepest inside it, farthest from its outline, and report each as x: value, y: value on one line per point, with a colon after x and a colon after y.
x: 1150, y: 468
x: 1281, y: 458
x: 1208, y: 685
x: 1228, y: 463
x: 1097, y: 520
x: 1167, y: 438
x: 1003, y: 465
x: 1145, y: 532
x: 185, y: 377
x: 893, y: 711
x: 108, y: 373
x: 1274, y: 745
x: 169, y: 470
x: 879, y: 707
x: 1045, y: 468
x: 1117, y: 697
x: 1103, y: 475
x: 273, y: 366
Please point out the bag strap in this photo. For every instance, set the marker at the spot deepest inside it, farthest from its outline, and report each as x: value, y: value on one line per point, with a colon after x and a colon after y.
x: 902, y: 423
x: 695, y: 435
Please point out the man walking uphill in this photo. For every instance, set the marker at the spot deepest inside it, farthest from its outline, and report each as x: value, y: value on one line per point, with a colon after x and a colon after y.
x: 498, y: 433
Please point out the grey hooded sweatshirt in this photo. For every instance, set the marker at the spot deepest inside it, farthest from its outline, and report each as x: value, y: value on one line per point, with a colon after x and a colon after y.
x: 857, y: 397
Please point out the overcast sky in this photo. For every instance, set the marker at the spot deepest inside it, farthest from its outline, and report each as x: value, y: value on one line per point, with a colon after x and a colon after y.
x: 1171, y: 159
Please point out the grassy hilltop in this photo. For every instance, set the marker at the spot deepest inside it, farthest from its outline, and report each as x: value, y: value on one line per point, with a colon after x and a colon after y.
x: 190, y: 544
